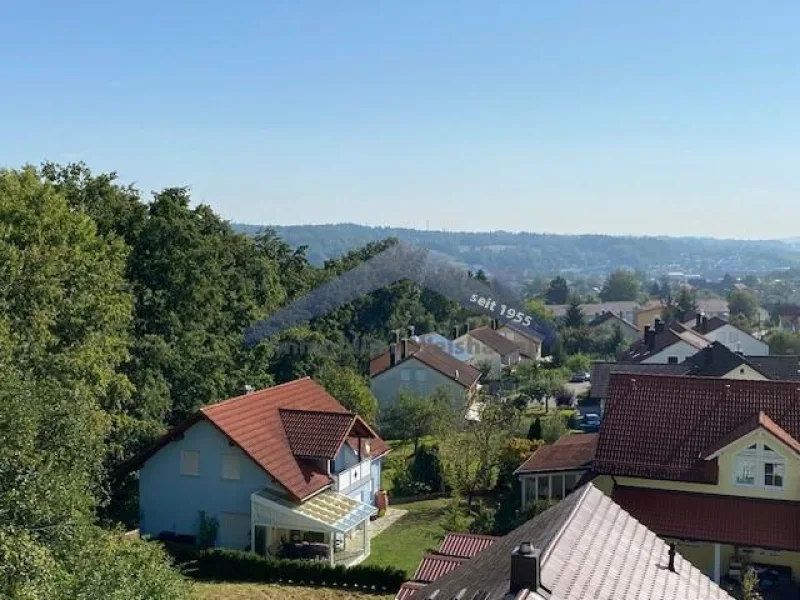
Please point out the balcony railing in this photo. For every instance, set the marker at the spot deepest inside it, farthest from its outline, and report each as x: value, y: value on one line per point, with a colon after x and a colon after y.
x: 352, y: 476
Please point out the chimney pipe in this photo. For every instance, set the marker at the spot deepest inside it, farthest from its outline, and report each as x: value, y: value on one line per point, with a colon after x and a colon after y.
x: 698, y: 320
x: 404, y: 351
x: 659, y: 325
x: 494, y: 323
x: 525, y: 568
x: 671, y: 565
x: 411, y: 331
x: 392, y: 355
x: 705, y: 324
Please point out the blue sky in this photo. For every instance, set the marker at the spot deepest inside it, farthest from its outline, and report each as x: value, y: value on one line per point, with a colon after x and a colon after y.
x: 616, y: 117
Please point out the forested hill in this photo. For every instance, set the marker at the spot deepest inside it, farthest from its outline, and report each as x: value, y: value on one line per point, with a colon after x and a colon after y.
x: 521, y: 255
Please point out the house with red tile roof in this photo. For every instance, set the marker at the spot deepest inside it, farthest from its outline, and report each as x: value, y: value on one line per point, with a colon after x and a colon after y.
x: 283, y: 471
x: 711, y: 464
x: 422, y: 368
x: 552, y: 471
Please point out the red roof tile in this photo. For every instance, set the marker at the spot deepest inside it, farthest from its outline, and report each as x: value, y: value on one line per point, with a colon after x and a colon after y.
x: 408, y: 589
x: 569, y: 452
x: 659, y: 426
x: 434, y: 566
x: 434, y: 357
x: 465, y: 545
x: 254, y: 423
x: 761, y: 420
x: 735, y: 520
x: 316, y: 434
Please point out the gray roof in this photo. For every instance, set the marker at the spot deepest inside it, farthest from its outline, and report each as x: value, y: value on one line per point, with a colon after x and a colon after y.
x: 601, y: 373
x: 591, y: 548
x: 718, y: 360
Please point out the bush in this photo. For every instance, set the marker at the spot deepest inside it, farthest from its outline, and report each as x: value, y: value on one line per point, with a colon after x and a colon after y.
x: 535, y: 430
x: 570, y: 417
x: 427, y: 468
x: 553, y: 427
x: 235, y: 565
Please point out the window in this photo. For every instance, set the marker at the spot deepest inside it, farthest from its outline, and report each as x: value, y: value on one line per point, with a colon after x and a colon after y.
x: 405, y: 375
x: 759, y: 465
x: 420, y: 374
x: 230, y: 467
x: 190, y: 463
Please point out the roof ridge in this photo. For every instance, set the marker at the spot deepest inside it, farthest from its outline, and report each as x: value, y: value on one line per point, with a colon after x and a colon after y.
x: 254, y: 392
x: 316, y: 411
x: 554, y: 540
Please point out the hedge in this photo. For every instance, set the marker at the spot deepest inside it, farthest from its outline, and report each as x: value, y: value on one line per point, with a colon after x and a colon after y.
x: 218, y: 564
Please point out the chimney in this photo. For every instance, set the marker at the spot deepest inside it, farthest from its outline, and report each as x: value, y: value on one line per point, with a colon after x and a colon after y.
x: 698, y: 320
x: 659, y: 325
x: 671, y: 565
x: 392, y: 355
x: 704, y: 325
x: 404, y: 351
x: 456, y: 375
x: 248, y: 389
x: 649, y: 338
x: 411, y: 331
x: 525, y: 568
x: 494, y: 323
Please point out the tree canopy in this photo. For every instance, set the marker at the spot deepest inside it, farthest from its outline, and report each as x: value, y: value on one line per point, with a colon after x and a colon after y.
x: 620, y: 285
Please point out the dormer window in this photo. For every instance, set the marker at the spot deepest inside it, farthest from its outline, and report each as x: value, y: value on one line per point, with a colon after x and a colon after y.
x: 759, y: 465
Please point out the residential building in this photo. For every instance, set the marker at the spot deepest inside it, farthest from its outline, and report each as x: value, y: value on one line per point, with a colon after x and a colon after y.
x: 789, y: 318
x: 672, y: 343
x: 486, y: 345
x: 529, y: 342
x: 554, y: 470
x: 717, y: 360
x: 601, y: 376
x: 645, y: 316
x: 270, y: 469
x: 422, y: 369
x: 610, y: 322
x: 584, y: 548
x: 624, y: 309
x: 711, y: 464
x: 451, y: 347
x: 715, y: 329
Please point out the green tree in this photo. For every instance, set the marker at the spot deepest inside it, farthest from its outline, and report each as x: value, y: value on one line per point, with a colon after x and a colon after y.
x: 554, y: 426
x: 783, y: 342
x: 557, y: 292
x: 413, y: 417
x: 350, y: 388
x: 681, y: 307
x: 574, y: 316
x: 578, y: 363
x: 535, y: 430
x: 541, y: 384
x: 620, y: 285
x: 744, y: 303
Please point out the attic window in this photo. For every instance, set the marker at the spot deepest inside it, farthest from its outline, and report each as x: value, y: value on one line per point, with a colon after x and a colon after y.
x: 231, y: 467
x: 758, y: 465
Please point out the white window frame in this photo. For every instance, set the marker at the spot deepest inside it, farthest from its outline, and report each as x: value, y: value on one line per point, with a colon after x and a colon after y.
x: 231, y: 467
x: 190, y: 463
x: 760, y: 456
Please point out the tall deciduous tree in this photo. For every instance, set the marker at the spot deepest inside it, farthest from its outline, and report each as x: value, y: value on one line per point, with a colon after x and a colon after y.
x: 349, y: 388
x: 620, y: 285
x: 412, y: 416
x: 744, y: 303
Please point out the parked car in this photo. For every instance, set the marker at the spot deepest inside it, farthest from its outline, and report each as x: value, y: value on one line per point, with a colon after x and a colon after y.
x: 590, y: 423
x: 580, y: 377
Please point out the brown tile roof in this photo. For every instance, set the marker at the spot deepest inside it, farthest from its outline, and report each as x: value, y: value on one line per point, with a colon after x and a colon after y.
x: 497, y: 342
x: 434, y: 566
x: 658, y: 426
x: 761, y: 420
x: 434, y: 357
x: 318, y: 434
x: 591, y: 548
x: 735, y: 520
x: 568, y: 453
x: 465, y: 545
x: 254, y: 423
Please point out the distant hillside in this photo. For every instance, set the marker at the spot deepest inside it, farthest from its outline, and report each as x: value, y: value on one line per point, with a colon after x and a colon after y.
x: 516, y: 256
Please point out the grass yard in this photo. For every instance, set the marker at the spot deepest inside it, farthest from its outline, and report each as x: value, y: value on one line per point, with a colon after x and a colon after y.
x: 404, y: 543
x: 254, y: 591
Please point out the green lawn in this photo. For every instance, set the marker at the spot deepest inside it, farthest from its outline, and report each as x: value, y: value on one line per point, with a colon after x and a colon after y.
x: 404, y: 543
x: 255, y: 591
